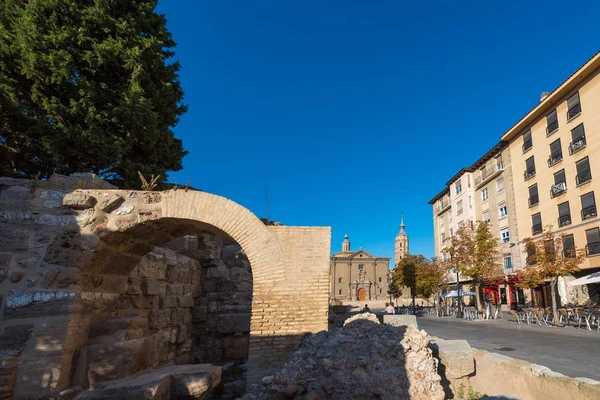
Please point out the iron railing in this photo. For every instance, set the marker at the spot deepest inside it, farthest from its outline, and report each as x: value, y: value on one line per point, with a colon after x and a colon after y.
x: 558, y: 188
x: 583, y: 177
x: 537, y: 228
x: 574, y: 111
x: 527, y: 145
x: 592, y: 248
x: 577, y: 144
x: 551, y: 128
x: 533, y: 200
x: 564, y: 220
x: 589, y: 212
x: 569, y: 253
x: 529, y: 173
x: 555, y: 158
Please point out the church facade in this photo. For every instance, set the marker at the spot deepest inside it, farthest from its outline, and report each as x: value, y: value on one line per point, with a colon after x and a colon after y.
x: 358, y: 275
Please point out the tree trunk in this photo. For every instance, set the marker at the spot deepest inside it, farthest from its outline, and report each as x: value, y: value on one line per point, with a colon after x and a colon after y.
x: 554, y: 302
x: 412, y: 293
x: 477, y: 297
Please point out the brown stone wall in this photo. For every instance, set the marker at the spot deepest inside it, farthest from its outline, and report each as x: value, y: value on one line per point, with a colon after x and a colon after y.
x: 69, y: 248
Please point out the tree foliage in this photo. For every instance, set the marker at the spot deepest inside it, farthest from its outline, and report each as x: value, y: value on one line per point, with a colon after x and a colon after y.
x: 88, y: 86
x: 548, y: 260
x: 475, y: 253
x: 423, y: 277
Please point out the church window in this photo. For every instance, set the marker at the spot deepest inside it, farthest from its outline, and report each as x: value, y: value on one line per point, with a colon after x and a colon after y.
x: 361, y: 267
x: 379, y: 279
x: 380, y: 290
x: 340, y: 291
x: 339, y: 280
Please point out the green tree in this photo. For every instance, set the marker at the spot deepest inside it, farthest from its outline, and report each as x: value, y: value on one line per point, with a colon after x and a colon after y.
x: 394, y: 289
x: 405, y: 273
x: 88, y: 86
x: 475, y: 253
x: 549, y: 260
x: 431, y: 278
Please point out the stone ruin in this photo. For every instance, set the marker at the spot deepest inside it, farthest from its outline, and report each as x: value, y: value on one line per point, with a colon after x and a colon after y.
x: 130, y: 293
x: 361, y: 360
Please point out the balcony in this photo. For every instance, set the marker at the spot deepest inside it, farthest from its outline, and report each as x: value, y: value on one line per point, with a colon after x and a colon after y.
x: 558, y: 188
x: 441, y: 207
x: 564, y: 220
x: 583, y: 177
x: 537, y: 228
x: 555, y: 158
x: 592, y: 249
x: 529, y: 173
x: 551, y: 128
x: 534, y: 200
x: 569, y: 253
x: 488, y: 174
x: 459, y: 211
x: 588, y: 212
x: 573, y: 112
x: 577, y: 144
x: 527, y: 145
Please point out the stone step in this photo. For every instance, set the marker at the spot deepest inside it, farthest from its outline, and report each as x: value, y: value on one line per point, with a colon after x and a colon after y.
x: 112, y: 326
x: 191, y: 381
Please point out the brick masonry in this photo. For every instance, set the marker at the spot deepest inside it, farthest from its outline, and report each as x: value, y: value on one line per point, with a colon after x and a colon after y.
x: 68, y: 248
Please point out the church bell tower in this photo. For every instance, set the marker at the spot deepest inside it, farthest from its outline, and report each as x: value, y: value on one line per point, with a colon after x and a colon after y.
x: 401, y: 248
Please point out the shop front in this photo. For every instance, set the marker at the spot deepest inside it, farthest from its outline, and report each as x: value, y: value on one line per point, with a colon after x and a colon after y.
x: 506, y: 292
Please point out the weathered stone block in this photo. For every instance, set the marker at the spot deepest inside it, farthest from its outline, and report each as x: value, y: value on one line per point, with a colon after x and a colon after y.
x: 185, y: 301
x: 158, y: 319
x: 145, y: 302
x: 172, y: 274
x: 134, y: 286
x: 183, y: 276
x: 14, y: 239
x: 219, y: 272
x: 78, y: 201
x: 152, y: 266
x: 30, y: 303
x: 16, y: 276
x: 189, y: 290
x: 124, y: 210
x: 400, y: 320
x: 456, y: 356
x: 16, y: 193
x: 168, y: 301
x: 51, y: 198
x: 107, y: 362
x: 79, y: 180
x: 153, y: 287
x: 232, y: 323
x: 198, y: 313
x: 180, y: 317
x: 174, y: 290
x: 111, y: 203
x: 166, y: 336
x: 153, y: 386
x: 194, y: 380
x: 236, y: 348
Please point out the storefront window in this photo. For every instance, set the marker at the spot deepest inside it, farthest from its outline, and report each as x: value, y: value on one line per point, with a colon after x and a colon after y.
x: 503, y: 295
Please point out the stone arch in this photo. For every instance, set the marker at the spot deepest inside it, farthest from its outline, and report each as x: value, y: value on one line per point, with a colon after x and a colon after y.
x: 74, y: 244
x: 147, y: 219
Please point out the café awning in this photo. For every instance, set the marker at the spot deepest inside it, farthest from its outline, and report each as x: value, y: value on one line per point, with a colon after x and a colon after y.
x: 586, y: 280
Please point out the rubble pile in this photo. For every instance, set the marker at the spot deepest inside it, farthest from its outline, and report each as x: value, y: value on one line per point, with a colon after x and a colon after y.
x: 362, y: 360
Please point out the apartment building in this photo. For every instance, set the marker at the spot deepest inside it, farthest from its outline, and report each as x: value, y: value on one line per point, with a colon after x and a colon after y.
x: 544, y: 171
x: 483, y: 192
x: 555, y: 152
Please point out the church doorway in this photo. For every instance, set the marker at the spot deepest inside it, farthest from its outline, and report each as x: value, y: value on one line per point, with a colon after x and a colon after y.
x: 362, y: 294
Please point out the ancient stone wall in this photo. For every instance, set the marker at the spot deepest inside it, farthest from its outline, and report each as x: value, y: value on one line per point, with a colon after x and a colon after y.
x: 79, y: 268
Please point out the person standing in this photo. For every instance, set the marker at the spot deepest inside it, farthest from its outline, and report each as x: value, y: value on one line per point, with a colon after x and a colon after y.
x: 366, y: 309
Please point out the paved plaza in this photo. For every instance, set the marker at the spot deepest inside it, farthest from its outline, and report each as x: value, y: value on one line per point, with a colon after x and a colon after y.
x: 572, y: 352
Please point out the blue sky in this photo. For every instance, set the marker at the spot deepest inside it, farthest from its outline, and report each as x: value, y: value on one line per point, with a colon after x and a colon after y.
x: 352, y: 112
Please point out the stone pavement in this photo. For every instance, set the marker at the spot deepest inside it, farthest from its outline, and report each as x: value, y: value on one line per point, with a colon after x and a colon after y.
x: 568, y: 350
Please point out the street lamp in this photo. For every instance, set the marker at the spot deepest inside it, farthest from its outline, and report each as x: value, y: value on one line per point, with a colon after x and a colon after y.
x: 459, y: 298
